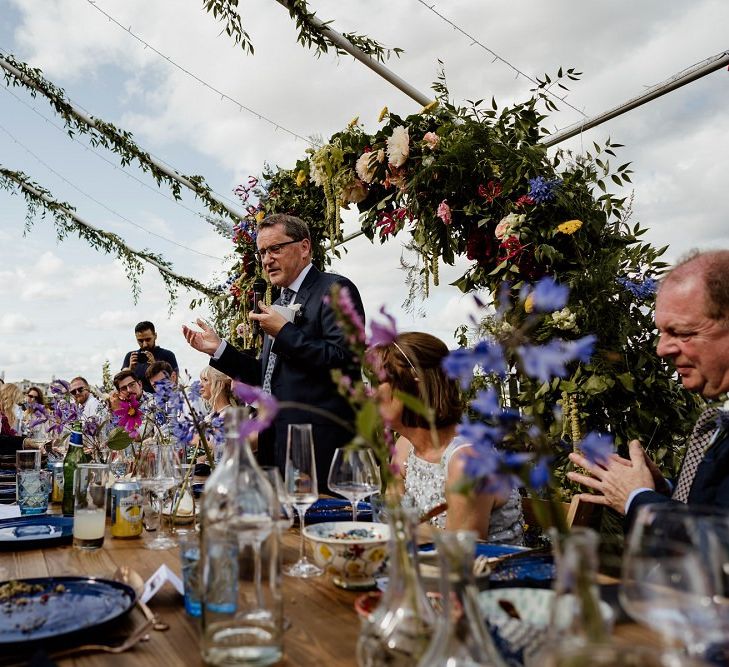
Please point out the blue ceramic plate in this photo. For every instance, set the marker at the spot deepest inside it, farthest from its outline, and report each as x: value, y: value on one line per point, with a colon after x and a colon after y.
x: 536, y: 570
x: 336, y: 509
x: 482, y: 549
x: 34, y: 532
x: 57, y: 606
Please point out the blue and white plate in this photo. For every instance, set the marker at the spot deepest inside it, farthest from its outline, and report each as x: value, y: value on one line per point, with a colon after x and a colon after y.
x: 56, y: 606
x: 34, y: 532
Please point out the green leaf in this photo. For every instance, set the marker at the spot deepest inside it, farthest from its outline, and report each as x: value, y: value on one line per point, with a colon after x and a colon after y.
x: 118, y: 439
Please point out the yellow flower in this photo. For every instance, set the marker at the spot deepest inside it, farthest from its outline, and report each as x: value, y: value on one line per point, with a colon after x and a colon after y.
x: 300, y: 178
x: 382, y: 115
x: 260, y: 215
x: 529, y: 303
x: 353, y: 122
x: 569, y: 227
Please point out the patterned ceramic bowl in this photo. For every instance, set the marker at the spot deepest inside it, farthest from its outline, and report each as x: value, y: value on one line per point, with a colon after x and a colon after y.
x: 520, y: 640
x: 351, y: 551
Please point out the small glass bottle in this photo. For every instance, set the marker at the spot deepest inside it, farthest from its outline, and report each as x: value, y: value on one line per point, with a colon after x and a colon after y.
x: 242, y: 608
x: 461, y: 638
x: 74, y: 456
x: 398, y: 632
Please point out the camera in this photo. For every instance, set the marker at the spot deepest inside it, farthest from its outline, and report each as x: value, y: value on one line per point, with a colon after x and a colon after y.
x: 142, y: 357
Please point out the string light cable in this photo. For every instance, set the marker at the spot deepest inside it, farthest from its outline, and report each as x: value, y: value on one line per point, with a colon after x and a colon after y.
x: 102, y: 204
x: 496, y: 56
x: 102, y: 157
x: 223, y: 96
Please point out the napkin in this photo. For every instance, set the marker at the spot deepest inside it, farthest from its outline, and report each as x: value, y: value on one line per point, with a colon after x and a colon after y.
x: 9, y: 511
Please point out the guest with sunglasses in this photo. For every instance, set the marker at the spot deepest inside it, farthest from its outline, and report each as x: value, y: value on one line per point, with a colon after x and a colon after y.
x: 36, y: 434
x: 81, y: 393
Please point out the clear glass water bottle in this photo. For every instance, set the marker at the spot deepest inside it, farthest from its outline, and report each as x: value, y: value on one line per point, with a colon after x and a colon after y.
x: 242, y: 607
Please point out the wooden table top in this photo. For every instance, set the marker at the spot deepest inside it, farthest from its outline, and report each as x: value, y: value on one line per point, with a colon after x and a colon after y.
x: 324, y: 626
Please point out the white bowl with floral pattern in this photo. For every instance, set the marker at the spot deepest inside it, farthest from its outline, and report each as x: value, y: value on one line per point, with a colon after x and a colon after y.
x: 351, y: 551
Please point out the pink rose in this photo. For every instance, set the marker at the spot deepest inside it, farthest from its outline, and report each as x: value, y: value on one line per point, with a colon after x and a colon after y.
x: 431, y: 139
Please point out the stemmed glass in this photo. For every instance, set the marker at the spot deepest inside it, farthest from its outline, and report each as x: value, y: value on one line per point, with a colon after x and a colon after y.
x: 705, y: 532
x: 301, y: 489
x: 285, y: 517
x: 666, y: 585
x: 158, y: 473
x: 354, y: 474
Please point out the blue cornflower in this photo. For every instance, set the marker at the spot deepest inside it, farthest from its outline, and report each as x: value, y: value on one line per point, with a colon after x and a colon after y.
x: 485, y: 461
x: 539, y: 474
x: 596, y: 447
x: 459, y: 365
x: 488, y: 404
x: 545, y: 362
x: 547, y: 295
x: 542, y: 190
x: 183, y: 430
x: 640, y: 290
x: 478, y: 432
x: 194, y: 391
x: 490, y: 356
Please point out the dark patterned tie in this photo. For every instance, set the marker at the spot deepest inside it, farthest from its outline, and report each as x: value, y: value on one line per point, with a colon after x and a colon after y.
x: 286, y: 297
x: 700, y: 437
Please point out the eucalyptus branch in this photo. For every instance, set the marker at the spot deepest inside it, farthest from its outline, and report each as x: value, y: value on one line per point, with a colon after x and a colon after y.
x: 103, y: 133
x: 40, y: 201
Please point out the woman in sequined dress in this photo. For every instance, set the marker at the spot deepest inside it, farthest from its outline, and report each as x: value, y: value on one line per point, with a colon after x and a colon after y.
x: 432, y: 467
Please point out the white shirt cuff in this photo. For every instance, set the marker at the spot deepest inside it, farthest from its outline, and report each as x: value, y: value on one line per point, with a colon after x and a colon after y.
x: 632, y: 495
x: 219, y: 352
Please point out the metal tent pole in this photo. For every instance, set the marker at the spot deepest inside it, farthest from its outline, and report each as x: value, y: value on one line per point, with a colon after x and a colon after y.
x: 343, y: 43
x: 691, y: 74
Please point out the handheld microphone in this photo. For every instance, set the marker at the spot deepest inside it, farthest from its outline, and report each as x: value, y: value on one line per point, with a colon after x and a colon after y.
x: 259, y: 293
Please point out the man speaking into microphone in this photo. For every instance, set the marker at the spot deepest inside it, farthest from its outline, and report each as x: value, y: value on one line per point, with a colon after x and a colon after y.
x: 298, y: 357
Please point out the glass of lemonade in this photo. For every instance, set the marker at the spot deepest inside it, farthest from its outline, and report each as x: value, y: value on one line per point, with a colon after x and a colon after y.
x: 90, y: 482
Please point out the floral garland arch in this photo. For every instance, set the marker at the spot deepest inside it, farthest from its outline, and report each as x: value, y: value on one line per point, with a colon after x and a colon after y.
x: 476, y: 182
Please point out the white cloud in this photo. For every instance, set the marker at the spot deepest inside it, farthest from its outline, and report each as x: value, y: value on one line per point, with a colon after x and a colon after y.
x: 15, y: 323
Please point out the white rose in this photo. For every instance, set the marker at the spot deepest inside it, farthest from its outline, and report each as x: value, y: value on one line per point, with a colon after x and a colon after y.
x: 365, y: 167
x: 398, y: 146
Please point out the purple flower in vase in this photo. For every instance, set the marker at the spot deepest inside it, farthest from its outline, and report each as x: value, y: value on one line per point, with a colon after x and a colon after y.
x: 596, y: 447
x: 385, y: 332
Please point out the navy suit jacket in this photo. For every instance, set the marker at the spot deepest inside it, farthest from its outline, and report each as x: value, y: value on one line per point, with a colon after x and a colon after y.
x: 710, y: 485
x: 307, y: 351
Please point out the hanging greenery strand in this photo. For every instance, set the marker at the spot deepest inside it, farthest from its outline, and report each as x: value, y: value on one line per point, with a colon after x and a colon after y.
x: 310, y: 32
x: 102, y: 133
x: 40, y: 201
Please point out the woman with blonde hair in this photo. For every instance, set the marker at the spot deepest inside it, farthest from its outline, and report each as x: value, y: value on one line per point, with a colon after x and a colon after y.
x: 10, y: 397
x: 216, y: 389
x: 431, y: 462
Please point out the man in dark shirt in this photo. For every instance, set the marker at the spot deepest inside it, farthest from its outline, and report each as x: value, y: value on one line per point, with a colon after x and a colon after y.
x: 137, y: 361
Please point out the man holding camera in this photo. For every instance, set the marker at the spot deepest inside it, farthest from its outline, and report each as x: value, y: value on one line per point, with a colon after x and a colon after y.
x: 137, y: 361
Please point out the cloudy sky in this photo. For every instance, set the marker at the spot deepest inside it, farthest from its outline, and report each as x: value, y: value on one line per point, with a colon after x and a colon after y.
x: 65, y: 308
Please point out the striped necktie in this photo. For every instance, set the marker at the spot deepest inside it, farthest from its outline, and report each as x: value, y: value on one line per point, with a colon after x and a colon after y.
x: 287, y: 296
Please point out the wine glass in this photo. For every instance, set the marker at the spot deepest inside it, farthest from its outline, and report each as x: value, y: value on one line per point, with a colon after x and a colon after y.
x: 354, y: 474
x: 158, y: 473
x: 301, y: 489
x: 285, y: 511
x: 705, y: 530
x: 665, y: 587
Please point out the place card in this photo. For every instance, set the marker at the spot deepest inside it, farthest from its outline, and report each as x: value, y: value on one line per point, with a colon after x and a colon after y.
x: 158, y: 580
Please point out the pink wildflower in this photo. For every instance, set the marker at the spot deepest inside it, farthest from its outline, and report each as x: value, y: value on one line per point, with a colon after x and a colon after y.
x: 129, y: 415
x: 444, y: 212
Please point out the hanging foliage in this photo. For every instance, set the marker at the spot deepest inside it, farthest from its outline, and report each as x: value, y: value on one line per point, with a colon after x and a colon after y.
x: 311, y: 31
x: 102, y: 133
x: 40, y: 202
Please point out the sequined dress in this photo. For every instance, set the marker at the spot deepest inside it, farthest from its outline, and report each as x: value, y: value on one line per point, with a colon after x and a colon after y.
x: 425, y: 484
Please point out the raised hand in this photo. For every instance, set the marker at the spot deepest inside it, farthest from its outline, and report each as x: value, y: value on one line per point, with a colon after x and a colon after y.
x: 206, y: 341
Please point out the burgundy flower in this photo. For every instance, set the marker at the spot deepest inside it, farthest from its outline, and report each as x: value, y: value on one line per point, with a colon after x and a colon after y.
x: 481, y: 246
x: 524, y: 200
x: 510, y: 248
x: 490, y: 191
